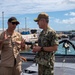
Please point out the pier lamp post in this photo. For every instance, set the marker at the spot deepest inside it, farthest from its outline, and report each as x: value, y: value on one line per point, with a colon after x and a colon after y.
x: 25, y: 23
x: 3, y: 21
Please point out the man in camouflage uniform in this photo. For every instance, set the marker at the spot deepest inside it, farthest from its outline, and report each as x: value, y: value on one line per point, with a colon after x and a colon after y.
x: 11, y: 42
x: 47, y: 45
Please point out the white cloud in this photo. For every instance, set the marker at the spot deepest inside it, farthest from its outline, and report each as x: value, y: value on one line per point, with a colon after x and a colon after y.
x: 70, y: 14
x: 34, y: 6
x: 69, y: 21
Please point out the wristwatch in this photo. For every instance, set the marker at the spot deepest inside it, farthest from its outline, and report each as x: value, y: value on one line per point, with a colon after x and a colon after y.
x: 42, y: 49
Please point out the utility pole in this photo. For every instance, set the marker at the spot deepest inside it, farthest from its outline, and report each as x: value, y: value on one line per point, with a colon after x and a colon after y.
x: 25, y: 24
x: 3, y: 21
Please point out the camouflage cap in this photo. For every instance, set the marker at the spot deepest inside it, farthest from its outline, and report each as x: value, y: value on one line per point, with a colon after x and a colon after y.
x: 41, y: 15
x: 13, y: 19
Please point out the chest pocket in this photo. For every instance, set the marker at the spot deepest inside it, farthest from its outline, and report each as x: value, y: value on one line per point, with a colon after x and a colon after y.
x: 7, y: 43
x: 14, y: 40
x: 44, y: 41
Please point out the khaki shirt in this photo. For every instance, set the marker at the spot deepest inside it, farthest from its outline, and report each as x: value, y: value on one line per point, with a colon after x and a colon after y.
x: 10, y: 50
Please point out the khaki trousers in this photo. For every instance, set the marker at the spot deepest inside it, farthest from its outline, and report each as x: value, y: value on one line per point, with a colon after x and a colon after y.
x: 16, y: 70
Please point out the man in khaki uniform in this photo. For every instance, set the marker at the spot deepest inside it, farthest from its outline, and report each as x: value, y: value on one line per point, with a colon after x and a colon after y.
x: 11, y: 42
x: 47, y: 45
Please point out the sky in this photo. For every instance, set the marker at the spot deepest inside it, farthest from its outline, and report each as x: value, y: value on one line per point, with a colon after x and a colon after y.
x: 61, y: 13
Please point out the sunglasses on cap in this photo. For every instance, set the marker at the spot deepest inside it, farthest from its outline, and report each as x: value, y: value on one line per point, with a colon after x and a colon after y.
x: 13, y: 23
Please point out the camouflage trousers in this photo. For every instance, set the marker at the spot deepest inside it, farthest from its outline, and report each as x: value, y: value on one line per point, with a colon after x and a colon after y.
x: 43, y: 70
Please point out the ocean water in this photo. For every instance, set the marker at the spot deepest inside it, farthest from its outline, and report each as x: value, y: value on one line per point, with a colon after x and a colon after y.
x: 61, y: 50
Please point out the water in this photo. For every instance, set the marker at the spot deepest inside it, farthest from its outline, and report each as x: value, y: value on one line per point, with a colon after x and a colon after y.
x: 61, y: 49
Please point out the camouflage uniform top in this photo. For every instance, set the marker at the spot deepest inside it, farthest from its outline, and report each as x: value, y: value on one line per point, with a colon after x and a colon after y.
x: 47, y: 38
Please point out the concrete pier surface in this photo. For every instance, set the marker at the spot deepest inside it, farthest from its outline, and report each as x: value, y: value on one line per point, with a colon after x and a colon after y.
x: 59, y: 69
x: 64, y: 65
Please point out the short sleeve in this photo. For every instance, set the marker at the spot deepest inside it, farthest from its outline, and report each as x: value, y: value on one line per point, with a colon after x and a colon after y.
x: 53, y: 39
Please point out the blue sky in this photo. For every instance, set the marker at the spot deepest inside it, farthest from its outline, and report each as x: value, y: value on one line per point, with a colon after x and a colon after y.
x: 61, y: 12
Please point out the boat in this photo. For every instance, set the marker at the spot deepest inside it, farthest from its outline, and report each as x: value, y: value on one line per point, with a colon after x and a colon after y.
x: 30, y: 35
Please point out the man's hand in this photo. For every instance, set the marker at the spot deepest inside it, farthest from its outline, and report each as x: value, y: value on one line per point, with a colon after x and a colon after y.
x: 4, y: 38
x: 23, y: 44
x: 23, y: 58
x: 36, y: 48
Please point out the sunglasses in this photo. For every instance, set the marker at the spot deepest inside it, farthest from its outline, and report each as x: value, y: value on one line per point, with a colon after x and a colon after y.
x: 13, y: 23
